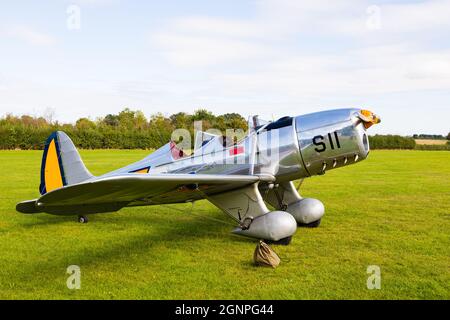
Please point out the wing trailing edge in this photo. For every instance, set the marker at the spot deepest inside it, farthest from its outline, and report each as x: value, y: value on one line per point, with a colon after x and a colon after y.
x: 108, y: 194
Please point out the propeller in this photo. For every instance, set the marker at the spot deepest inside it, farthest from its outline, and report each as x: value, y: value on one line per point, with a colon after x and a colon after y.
x: 253, y: 123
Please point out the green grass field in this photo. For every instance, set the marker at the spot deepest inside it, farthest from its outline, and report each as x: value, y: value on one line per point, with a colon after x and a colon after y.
x: 392, y: 210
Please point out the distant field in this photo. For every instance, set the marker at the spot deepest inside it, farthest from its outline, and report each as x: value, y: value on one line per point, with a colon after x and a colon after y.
x: 430, y: 141
x: 392, y: 210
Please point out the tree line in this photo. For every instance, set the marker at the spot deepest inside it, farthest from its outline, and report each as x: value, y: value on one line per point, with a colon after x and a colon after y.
x: 130, y: 129
x: 391, y: 142
x: 431, y: 136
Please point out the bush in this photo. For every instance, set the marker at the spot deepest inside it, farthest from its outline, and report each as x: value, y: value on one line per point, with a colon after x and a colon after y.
x: 438, y: 147
x: 131, y: 130
x: 391, y: 142
x: 127, y: 130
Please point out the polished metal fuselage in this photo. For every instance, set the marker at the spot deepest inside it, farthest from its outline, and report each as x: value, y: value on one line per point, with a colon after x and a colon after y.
x: 310, y: 145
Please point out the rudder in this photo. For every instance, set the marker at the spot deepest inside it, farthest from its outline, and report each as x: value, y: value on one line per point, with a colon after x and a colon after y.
x: 61, y: 164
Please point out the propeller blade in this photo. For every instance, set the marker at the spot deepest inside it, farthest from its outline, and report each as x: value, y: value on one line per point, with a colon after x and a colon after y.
x: 300, y: 182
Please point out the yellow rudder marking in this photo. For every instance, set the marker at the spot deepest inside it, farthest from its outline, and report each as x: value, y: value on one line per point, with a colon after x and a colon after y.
x: 53, y: 179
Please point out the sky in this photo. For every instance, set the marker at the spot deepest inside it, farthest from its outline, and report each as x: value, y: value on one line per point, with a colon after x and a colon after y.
x: 88, y: 58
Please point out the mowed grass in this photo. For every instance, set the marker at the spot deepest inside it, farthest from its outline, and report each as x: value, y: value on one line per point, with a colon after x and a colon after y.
x: 391, y: 210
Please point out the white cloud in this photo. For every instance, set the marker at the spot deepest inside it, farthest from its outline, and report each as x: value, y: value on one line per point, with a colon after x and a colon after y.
x: 421, y: 16
x: 218, y: 27
x: 283, y: 57
x: 377, y: 70
x: 27, y: 34
x: 349, y: 17
x: 92, y: 3
x: 264, y: 48
x: 201, y: 51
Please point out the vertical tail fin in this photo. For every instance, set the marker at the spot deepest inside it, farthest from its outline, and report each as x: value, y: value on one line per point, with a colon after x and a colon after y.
x: 61, y: 164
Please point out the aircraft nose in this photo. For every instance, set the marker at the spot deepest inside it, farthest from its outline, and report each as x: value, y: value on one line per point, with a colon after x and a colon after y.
x: 368, y: 118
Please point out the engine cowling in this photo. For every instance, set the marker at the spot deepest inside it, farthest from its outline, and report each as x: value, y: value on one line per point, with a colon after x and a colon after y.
x: 307, y: 210
x: 334, y: 138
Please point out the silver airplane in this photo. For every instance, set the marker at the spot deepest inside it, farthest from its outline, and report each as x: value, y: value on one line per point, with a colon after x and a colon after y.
x: 239, y: 178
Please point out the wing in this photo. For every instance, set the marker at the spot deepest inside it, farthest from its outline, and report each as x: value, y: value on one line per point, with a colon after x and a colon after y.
x: 113, y: 193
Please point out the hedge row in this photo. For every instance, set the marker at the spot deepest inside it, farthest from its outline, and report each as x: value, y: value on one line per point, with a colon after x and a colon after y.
x: 126, y: 130
x: 391, y: 142
x: 34, y: 138
x: 438, y: 147
x: 131, y: 130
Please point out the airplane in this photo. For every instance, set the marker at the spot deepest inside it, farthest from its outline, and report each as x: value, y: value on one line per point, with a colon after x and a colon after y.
x: 243, y: 178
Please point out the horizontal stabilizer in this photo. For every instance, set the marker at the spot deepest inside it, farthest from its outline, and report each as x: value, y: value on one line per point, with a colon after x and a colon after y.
x: 27, y: 207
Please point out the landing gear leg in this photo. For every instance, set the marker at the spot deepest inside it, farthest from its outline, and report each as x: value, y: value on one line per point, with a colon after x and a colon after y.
x: 82, y: 219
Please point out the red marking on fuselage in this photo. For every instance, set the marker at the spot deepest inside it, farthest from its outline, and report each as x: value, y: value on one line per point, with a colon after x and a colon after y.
x: 236, y: 150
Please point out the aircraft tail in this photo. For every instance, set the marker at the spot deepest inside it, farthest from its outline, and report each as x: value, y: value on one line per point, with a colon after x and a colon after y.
x: 61, y: 164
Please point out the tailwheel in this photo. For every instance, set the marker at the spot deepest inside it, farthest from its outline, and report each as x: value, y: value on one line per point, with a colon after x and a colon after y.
x: 82, y: 219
